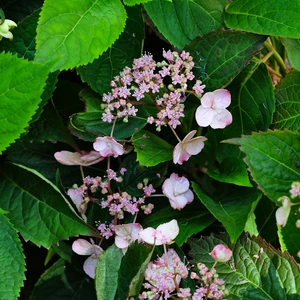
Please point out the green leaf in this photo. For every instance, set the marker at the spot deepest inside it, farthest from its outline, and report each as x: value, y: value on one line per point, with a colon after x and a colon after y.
x: 232, y: 210
x: 63, y: 281
x: 12, y: 261
x: 191, y: 220
x: 272, y: 159
x: 134, y: 2
x: 151, y: 150
x: 279, y: 18
x: 74, y: 33
x: 289, y: 234
x: 37, y: 208
x: 50, y: 127
x: 292, y: 47
x: 89, y: 125
x: 133, y: 266
x: 91, y: 100
x: 231, y: 170
x: 220, y: 55
x: 287, y: 93
x: 128, y: 46
x: 181, y: 21
x: 23, y: 43
x: 19, y: 95
x: 251, y: 226
x: 252, y: 274
x: 135, y: 174
x: 107, y: 269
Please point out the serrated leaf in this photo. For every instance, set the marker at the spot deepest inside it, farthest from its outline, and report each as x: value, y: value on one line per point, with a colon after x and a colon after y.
x: 292, y: 47
x: 132, y: 269
x: 279, y: 18
x: 232, y: 209
x: 252, y: 273
x: 181, y: 21
x: 19, y: 95
x: 63, y: 281
x: 107, y: 269
x: 77, y: 32
x: 12, y: 261
x: 287, y: 93
x: 220, y: 55
x: 37, y: 208
x: 151, y: 150
x: 272, y: 160
x: 191, y: 220
x: 23, y: 43
x: 128, y: 46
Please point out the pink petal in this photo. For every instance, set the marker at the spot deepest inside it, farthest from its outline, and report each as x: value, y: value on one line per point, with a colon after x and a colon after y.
x: 207, y: 100
x: 282, y: 215
x: 89, y: 266
x: 78, y: 159
x: 180, y: 184
x: 169, y: 229
x: 189, y: 196
x: 204, y: 116
x: 121, y: 242
x: 148, y: 235
x: 180, y: 155
x: 67, y: 157
x: 76, y: 197
x: 178, y: 202
x: 189, y: 136
x: 222, y: 98
x: 222, y: 118
x: 195, y: 146
x: 82, y: 247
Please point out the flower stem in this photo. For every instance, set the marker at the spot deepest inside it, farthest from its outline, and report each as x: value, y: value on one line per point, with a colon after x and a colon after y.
x: 179, y: 140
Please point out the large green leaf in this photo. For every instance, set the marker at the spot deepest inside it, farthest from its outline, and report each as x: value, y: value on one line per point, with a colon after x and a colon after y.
x: 107, y: 269
x: 191, y: 220
x: 279, y: 18
x: 132, y: 268
x: 256, y: 270
x: 272, y: 158
x: 287, y: 114
x: 134, y: 2
x: 23, y: 43
x: 12, y: 261
x: 233, y: 209
x: 220, y: 55
x: 63, y: 281
x: 19, y: 95
x: 292, y: 47
x: 73, y: 33
x: 181, y: 21
x: 151, y: 150
x: 37, y: 208
x: 128, y: 46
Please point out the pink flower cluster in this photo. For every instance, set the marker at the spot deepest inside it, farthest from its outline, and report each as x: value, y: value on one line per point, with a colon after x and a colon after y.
x: 146, y: 76
x: 164, y: 276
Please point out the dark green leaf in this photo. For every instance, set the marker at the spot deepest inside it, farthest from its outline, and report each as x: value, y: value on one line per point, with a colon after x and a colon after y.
x: 128, y: 46
x: 151, y: 150
x: 287, y: 114
x: 256, y: 270
x: 181, y: 21
x: 233, y: 209
x: 107, y: 269
x: 63, y: 281
x: 220, y: 55
x: 279, y: 18
x: 12, y: 261
x: 37, y: 208
x: 292, y: 47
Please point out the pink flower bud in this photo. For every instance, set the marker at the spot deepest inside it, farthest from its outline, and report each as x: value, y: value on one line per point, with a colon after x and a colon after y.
x: 283, y: 212
x: 108, y: 146
x: 176, y: 189
x: 221, y: 253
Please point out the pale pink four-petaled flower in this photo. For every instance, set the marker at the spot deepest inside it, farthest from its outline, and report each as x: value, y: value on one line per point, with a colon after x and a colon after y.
x: 162, y: 235
x: 187, y: 147
x: 83, y: 247
x: 212, y: 111
x: 108, y: 146
x: 176, y: 189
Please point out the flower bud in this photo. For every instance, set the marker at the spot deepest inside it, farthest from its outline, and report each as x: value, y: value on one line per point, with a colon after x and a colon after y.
x: 221, y: 253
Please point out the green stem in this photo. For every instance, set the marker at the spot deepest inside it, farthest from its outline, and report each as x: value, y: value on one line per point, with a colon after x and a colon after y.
x: 177, y: 137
